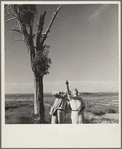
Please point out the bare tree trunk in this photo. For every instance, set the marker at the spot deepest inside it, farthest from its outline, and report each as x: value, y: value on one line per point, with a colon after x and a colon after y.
x: 35, y: 103
x: 38, y: 101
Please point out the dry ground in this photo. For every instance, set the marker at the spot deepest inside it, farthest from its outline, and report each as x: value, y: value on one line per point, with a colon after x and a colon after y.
x: 19, y: 110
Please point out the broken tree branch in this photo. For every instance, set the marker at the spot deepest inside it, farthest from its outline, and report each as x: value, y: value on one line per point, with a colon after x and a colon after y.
x: 51, y: 22
x: 14, y: 41
x: 9, y: 14
x: 11, y: 19
x: 40, y: 28
x: 13, y: 29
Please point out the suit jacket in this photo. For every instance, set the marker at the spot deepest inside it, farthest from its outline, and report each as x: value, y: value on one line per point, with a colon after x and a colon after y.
x: 56, y: 105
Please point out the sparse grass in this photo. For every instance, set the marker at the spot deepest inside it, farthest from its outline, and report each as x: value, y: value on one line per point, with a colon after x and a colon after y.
x: 21, y: 112
x: 100, y: 110
x: 18, y: 113
x: 98, y: 113
x: 109, y: 110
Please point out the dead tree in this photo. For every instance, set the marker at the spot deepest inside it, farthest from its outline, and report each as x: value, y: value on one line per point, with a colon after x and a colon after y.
x: 40, y: 63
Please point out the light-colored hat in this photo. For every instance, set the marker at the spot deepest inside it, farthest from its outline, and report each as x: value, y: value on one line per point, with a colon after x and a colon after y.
x: 63, y: 94
x: 55, y: 93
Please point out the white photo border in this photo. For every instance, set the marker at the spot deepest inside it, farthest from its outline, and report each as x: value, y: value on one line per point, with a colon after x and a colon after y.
x: 58, y: 136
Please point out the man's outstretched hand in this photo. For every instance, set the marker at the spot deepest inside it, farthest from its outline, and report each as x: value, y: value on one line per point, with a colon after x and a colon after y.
x: 67, y: 83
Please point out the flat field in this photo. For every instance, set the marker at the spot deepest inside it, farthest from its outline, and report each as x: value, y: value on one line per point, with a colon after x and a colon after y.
x: 100, y: 108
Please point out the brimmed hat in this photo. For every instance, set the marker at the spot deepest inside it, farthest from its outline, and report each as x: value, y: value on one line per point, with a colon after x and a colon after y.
x: 62, y: 93
x: 55, y: 93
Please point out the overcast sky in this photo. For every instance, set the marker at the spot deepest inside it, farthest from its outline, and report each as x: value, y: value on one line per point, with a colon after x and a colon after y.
x: 84, y: 50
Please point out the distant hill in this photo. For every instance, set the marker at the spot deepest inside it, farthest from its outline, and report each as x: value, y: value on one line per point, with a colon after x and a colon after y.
x: 99, y: 94
x: 91, y: 94
x: 11, y: 96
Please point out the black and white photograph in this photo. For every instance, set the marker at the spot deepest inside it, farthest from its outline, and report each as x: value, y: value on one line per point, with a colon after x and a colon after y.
x: 60, y: 68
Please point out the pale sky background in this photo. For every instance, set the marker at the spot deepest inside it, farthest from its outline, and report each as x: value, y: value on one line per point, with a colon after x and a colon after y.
x: 84, y: 50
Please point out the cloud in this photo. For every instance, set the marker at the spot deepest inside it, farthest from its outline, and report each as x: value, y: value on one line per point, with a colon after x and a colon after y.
x: 97, y: 13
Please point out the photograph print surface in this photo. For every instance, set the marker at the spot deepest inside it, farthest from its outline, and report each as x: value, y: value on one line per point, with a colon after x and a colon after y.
x: 61, y: 65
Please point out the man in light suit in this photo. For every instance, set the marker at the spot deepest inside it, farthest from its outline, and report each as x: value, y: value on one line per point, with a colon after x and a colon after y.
x: 77, y: 106
x: 58, y: 110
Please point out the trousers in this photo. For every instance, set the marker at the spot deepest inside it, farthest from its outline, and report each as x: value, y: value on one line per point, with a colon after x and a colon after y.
x: 77, y: 117
x: 59, y: 118
x: 54, y: 119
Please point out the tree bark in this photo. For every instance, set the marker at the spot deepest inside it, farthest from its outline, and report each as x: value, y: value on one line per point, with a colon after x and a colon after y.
x: 38, y: 101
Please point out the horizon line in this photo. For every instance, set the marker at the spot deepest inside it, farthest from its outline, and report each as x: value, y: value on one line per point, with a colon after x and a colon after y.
x: 79, y: 92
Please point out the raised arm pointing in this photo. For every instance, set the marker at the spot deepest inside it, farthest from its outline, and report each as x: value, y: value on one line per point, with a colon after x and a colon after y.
x: 67, y: 83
